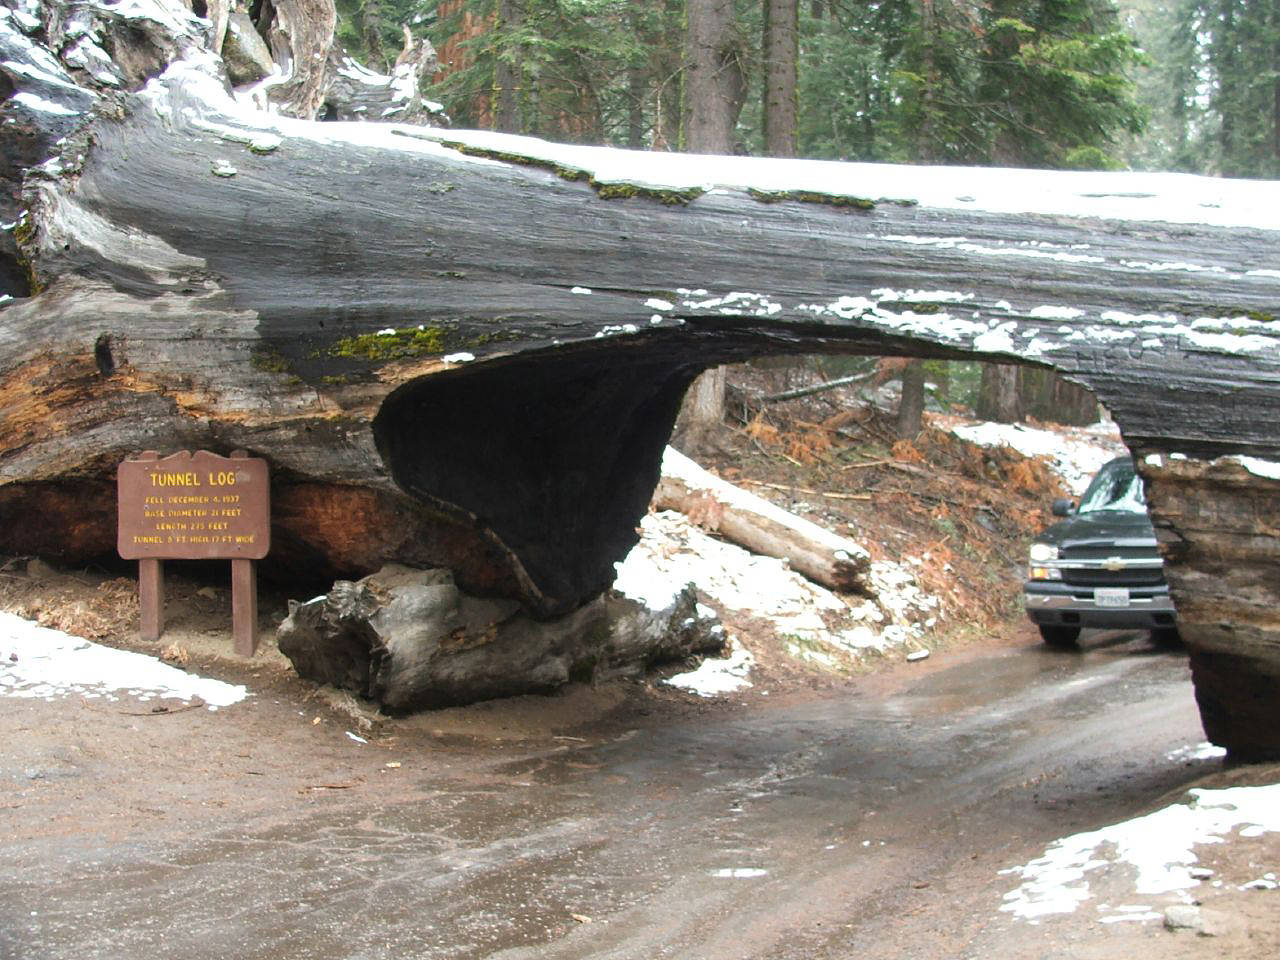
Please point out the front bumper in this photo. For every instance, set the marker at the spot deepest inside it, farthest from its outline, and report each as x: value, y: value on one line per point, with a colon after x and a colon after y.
x: 1052, y: 604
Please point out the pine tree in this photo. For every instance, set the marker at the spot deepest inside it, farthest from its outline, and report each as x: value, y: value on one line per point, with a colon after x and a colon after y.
x: 1055, y: 82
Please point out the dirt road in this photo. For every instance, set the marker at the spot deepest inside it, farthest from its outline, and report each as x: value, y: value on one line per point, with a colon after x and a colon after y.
x: 607, y: 823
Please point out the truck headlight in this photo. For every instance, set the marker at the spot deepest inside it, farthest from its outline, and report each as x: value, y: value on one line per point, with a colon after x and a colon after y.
x: 1043, y: 552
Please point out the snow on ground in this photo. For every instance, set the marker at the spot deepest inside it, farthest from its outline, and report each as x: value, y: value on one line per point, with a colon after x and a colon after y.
x: 814, y: 623
x: 1074, y: 453
x: 38, y: 662
x: 717, y: 676
x: 1160, y: 848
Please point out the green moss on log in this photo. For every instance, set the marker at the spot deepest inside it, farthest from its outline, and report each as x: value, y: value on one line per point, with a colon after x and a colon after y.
x: 24, y: 236
x: 606, y: 191
x: 811, y: 196
x: 268, y: 360
x: 405, y: 344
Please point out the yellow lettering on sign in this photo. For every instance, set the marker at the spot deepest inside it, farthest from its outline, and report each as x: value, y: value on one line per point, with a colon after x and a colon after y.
x: 188, y: 479
x: 222, y: 478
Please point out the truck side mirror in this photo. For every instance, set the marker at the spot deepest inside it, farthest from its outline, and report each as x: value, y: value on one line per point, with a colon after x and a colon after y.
x: 1063, y: 507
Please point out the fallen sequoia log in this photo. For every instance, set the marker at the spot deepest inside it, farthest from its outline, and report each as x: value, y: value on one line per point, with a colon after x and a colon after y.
x: 466, y: 350
x: 753, y: 522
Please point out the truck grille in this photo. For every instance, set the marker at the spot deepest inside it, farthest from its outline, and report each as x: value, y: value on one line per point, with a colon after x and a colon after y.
x: 1133, y: 577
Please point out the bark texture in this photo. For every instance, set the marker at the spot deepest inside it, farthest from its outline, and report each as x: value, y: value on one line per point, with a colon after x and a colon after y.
x: 410, y: 640
x: 714, y: 86
x: 471, y: 355
x: 1218, y: 530
x: 781, y: 55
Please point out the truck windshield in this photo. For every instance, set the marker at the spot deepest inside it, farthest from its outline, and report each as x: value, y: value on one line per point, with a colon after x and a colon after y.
x: 1116, y: 487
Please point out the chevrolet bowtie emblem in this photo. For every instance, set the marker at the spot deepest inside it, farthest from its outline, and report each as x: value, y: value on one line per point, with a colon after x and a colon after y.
x: 1113, y: 564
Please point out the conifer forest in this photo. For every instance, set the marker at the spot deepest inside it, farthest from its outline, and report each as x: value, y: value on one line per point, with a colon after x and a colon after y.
x: 1183, y: 85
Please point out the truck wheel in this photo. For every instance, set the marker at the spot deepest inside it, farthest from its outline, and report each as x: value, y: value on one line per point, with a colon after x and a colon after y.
x: 1057, y: 636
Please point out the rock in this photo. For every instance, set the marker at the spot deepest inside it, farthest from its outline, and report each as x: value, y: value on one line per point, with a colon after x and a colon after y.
x: 246, y: 54
x: 410, y: 639
x: 1185, y: 917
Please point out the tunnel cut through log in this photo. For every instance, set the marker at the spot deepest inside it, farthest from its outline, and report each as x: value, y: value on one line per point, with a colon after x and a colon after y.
x: 294, y: 288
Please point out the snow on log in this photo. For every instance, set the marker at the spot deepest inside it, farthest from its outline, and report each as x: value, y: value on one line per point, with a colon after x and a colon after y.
x: 467, y: 350
x: 717, y: 506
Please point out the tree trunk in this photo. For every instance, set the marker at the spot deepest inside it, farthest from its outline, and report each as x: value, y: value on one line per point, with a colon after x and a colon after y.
x: 714, y: 85
x: 780, y: 62
x: 506, y: 73
x: 998, y: 397
x: 911, y: 403
x: 752, y: 522
x: 461, y: 358
x: 668, y: 71
x: 714, y: 88
x: 370, y: 23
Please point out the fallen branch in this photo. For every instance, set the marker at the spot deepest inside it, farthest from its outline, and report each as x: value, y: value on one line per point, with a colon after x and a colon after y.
x: 810, y: 491
x: 163, y: 711
x: 817, y: 388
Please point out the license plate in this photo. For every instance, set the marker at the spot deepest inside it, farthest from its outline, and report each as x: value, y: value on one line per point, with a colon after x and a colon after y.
x: 1111, y: 596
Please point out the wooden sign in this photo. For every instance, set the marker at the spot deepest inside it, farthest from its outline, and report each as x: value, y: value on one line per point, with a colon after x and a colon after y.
x: 193, y: 507
x: 197, y: 506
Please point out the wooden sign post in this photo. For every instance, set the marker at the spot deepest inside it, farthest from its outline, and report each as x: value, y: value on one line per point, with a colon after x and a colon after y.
x: 195, y: 507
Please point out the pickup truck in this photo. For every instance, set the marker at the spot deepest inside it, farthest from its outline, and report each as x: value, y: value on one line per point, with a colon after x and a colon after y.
x: 1099, y: 567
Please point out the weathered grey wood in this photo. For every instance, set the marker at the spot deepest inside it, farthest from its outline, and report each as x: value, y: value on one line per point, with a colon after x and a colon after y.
x: 187, y: 273
x: 409, y: 639
x: 749, y: 521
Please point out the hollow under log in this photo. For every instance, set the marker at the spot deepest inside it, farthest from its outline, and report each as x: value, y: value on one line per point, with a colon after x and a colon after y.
x: 466, y: 350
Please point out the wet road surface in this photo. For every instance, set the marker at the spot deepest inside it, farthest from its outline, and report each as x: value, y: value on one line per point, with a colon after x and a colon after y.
x: 870, y: 824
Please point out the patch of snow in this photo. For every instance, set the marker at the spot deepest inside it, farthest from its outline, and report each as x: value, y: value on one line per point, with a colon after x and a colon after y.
x: 1178, y: 198
x: 458, y: 357
x: 1049, y: 312
x: 353, y: 70
x: 611, y: 330
x: 1167, y: 267
x: 673, y: 552
x: 1159, y: 846
x: 737, y: 302
x: 582, y: 290
x: 653, y: 303
x: 1259, y: 468
x: 739, y: 873
x: 1022, y: 250
x: 1230, y: 342
x: 921, y: 296
x: 1132, y: 917
x: 387, y: 332
x: 357, y: 738
x: 1199, y: 751
x: 997, y: 340
x: 33, y: 102
x: 37, y: 662
x: 716, y: 676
